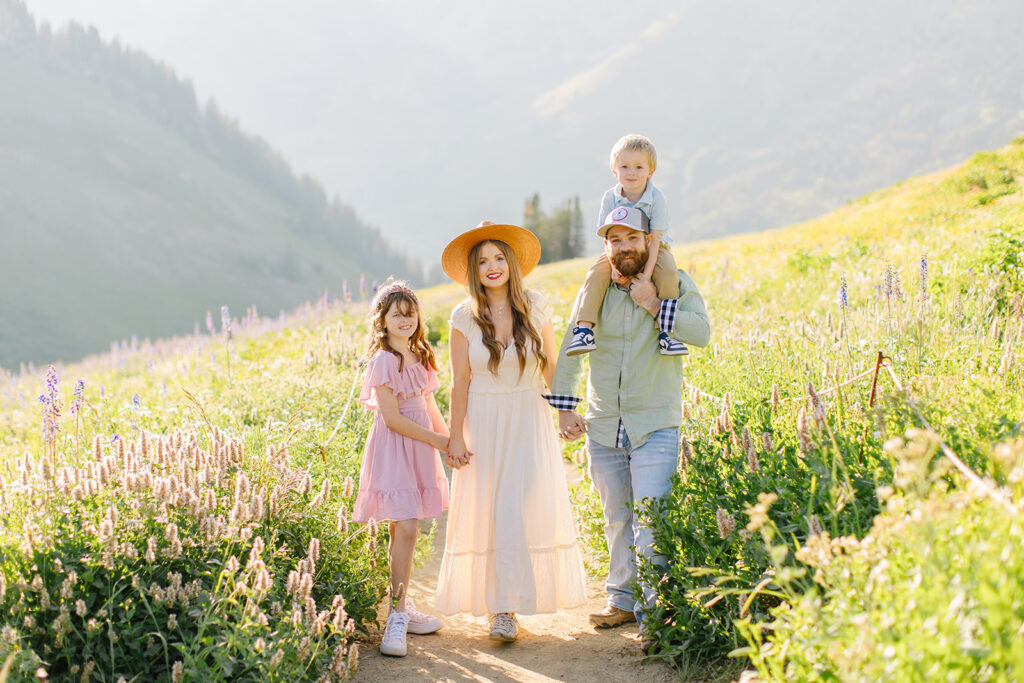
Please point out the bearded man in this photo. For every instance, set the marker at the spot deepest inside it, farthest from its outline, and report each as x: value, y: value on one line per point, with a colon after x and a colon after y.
x: 634, y: 404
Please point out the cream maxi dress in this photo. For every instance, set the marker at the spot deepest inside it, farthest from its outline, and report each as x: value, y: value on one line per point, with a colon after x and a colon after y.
x: 511, y: 541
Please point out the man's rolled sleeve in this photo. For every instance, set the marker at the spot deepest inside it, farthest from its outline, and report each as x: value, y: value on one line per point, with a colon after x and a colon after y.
x: 667, y: 315
x: 562, y: 401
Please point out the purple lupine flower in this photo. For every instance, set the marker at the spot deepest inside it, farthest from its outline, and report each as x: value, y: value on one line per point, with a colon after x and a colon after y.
x: 843, y: 298
x: 373, y: 287
x: 136, y: 401
x: 225, y: 322
x: 362, y: 286
x: 891, y: 283
x: 209, y: 324
x: 76, y: 405
x: 346, y: 294
x: 923, y: 274
x: 50, y: 402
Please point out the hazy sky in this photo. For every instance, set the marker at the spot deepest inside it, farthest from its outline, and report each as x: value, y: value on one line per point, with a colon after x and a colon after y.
x: 427, y: 118
x: 380, y: 101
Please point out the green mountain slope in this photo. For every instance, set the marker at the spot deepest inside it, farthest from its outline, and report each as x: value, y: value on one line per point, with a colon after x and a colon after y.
x: 126, y: 210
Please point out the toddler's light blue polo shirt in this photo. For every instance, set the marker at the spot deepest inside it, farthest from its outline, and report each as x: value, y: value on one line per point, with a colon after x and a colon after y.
x: 652, y: 203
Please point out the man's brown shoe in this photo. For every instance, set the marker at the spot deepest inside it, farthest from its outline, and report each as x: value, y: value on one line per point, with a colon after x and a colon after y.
x: 611, y: 616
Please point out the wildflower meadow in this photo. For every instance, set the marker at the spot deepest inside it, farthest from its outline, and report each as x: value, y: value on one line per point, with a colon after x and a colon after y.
x: 848, y: 504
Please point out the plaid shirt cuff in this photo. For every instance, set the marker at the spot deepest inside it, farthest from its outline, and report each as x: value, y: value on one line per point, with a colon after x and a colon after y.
x: 562, y: 401
x: 667, y: 315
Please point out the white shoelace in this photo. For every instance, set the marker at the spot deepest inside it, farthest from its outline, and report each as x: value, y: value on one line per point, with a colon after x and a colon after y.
x: 396, y: 626
x: 414, y: 614
x: 504, y: 622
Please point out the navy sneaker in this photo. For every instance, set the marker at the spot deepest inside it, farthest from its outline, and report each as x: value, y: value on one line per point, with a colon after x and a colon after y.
x: 668, y: 346
x: 582, y: 341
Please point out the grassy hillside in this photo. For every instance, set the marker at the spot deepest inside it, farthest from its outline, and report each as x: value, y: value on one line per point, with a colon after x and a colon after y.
x: 811, y: 304
x: 127, y: 210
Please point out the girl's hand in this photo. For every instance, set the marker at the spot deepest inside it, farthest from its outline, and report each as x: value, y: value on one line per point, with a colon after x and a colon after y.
x: 439, y: 441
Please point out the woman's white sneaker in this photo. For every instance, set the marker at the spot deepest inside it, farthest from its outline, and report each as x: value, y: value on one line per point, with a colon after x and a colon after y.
x: 393, y: 642
x: 421, y: 624
x: 504, y: 627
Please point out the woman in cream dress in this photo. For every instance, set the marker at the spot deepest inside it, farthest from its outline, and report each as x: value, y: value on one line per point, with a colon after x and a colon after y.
x: 511, y: 540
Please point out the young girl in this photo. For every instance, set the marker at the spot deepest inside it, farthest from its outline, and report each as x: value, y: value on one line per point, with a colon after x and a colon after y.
x: 402, y: 479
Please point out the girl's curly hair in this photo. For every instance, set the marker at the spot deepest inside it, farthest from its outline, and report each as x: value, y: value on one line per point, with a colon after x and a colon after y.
x: 397, y: 293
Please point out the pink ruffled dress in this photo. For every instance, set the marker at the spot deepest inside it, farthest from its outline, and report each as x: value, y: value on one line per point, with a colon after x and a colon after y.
x: 401, y: 478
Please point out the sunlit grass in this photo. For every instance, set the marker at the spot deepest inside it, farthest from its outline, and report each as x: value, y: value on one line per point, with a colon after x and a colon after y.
x: 928, y: 273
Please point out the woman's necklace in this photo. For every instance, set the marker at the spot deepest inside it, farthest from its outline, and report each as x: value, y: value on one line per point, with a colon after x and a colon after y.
x: 498, y: 317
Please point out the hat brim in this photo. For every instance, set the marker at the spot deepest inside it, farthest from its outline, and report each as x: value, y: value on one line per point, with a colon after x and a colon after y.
x: 603, y: 230
x: 524, y: 244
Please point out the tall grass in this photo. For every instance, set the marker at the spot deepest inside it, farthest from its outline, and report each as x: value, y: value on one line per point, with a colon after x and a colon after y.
x: 171, y: 520
x: 781, y: 424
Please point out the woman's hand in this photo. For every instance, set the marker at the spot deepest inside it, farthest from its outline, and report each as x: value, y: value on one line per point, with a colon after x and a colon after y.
x: 457, y: 455
x: 571, y: 425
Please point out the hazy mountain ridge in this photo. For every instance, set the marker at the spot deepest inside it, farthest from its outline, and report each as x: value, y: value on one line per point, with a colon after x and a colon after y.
x: 763, y: 114
x: 133, y: 211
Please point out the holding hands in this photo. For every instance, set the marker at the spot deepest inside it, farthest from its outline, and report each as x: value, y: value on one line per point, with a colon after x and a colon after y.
x: 455, y: 454
x: 571, y: 425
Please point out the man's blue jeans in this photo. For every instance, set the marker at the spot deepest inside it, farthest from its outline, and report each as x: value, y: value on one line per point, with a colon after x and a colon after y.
x: 624, y: 476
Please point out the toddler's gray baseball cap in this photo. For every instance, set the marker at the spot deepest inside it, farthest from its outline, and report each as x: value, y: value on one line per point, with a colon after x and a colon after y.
x: 625, y: 216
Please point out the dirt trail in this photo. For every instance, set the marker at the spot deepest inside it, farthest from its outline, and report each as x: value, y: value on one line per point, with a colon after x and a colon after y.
x: 551, y: 647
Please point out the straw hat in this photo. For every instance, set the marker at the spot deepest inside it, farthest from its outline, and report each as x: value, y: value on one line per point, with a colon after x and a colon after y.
x: 455, y: 258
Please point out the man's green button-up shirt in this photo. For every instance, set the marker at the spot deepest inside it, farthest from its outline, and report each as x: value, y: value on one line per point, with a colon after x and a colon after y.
x: 629, y: 379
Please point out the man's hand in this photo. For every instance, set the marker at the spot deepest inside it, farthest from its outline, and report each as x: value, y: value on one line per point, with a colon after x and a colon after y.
x: 645, y: 296
x: 571, y: 425
x: 624, y: 281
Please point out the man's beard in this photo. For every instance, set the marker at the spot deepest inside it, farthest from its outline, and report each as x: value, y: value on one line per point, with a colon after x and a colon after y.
x: 634, y: 266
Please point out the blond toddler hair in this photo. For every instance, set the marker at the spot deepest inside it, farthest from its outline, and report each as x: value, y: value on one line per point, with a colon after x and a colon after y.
x: 634, y: 143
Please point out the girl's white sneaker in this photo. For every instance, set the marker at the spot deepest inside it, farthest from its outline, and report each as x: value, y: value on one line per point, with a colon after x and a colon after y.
x: 393, y: 642
x: 421, y: 624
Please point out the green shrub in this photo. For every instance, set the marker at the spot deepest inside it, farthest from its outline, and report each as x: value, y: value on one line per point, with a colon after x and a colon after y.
x: 713, y: 563
x: 934, y: 591
x: 985, y: 178
x: 163, y: 558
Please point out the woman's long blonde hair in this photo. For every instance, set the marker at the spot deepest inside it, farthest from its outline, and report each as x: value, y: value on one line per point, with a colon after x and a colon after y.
x: 522, y: 325
x: 397, y: 293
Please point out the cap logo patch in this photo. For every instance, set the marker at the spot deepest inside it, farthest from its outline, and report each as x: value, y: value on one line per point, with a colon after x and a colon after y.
x: 619, y: 213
